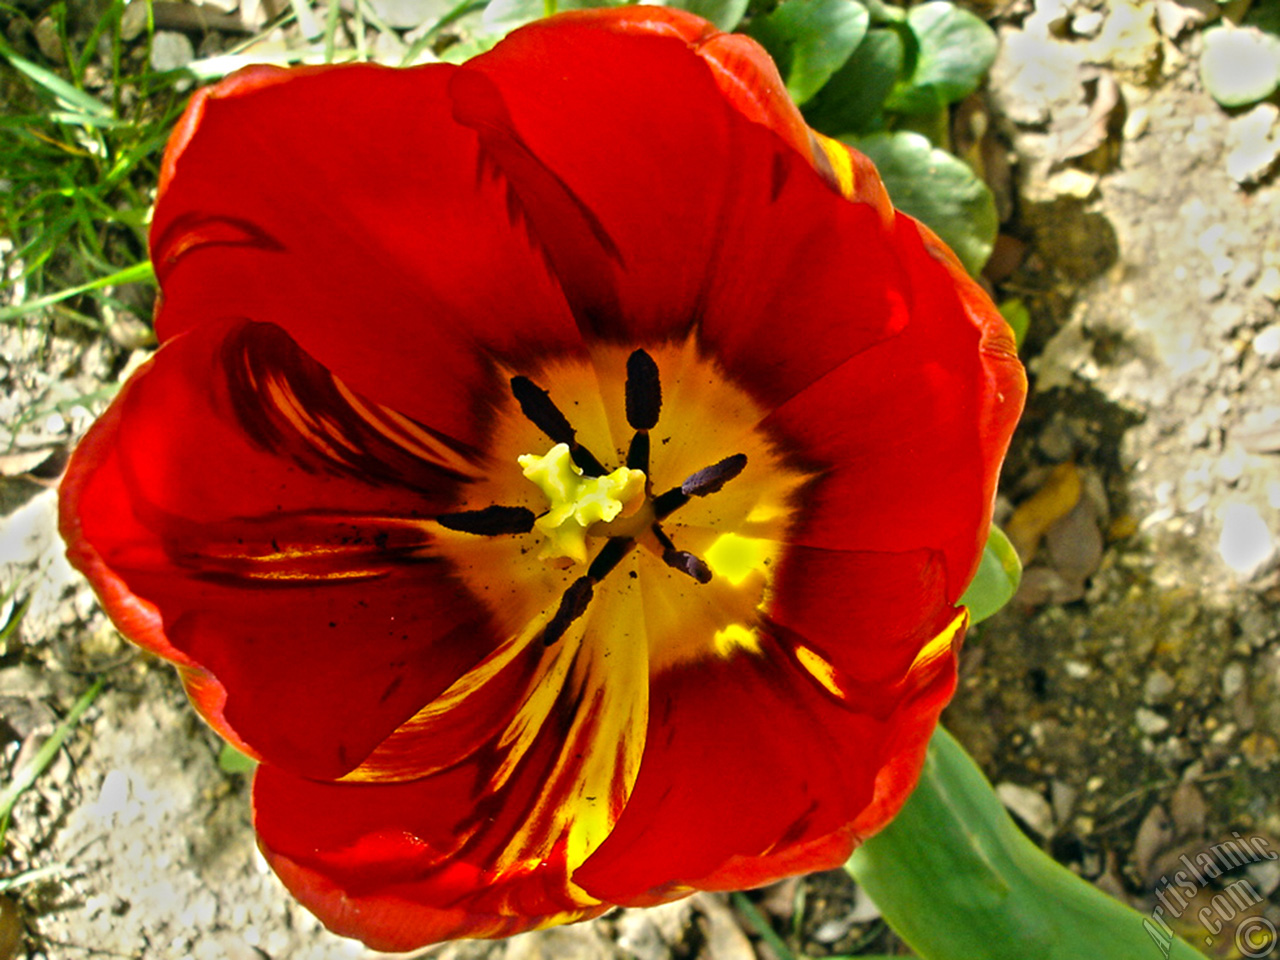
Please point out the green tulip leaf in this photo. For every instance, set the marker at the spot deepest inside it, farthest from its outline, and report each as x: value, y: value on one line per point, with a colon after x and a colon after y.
x: 231, y: 760
x: 956, y: 879
x: 1240, y: 65
x: 725, y: 14
x: 853, y: 99
x: 997, y: 579
x: 956, y: 49
x: 1018, y: 317
x: 937, y: 189
x: 810, y: 40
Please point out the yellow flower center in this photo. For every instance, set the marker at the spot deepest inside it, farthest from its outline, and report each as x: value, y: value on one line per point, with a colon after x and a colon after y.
x: 578, y: 502
x: 610, y: 550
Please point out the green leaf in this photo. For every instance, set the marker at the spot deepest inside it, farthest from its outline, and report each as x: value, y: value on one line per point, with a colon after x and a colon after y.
x: 1018, y: 317
x: 851, y: 101
x: 1240, y: 65
x: 811, y: 40
x: 725, y: 14
x: 956, y: 879
x: 997, y: 579
x: 956, y: 50
x: 938, y: 189
x: 231, y: 760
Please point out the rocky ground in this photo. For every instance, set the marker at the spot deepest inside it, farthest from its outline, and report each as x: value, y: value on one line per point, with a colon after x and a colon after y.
x: 1126, y: 703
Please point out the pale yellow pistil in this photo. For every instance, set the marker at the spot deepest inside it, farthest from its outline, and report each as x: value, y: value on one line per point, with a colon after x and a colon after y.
x: 577, y: 502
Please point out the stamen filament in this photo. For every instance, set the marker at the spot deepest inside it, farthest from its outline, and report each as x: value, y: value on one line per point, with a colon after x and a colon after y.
x: 575, y: 600
x: 572, y: 605
x: 638, y: 452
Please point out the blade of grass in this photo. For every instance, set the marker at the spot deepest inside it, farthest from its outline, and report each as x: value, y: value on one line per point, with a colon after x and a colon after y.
x: 72, y: 96
x: 742, y: 903
x: 429, y: 36
x: 330, y: 31
x: 24, y: 778
x: 138, y: 273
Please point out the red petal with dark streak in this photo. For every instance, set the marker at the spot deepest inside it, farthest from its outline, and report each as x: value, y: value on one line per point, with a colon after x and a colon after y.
x: 345, y: 205
x: 288, y: 560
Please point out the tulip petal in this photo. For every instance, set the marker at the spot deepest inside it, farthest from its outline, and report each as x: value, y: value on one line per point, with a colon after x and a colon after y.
x: 758, y: 765
x: 487, y: 846
x: 254, y: 520
x: 345, y: 205
x: 940, y: 400
x: 762, y: 252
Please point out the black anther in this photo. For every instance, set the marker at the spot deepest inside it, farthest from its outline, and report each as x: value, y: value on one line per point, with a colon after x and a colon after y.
x: 644, y: 391
x: 712, y: 478
x: 686, y: 562
x: 489, y: 522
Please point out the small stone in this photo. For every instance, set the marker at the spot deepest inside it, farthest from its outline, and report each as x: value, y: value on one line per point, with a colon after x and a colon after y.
x: 1063, y: 800
x: 1233, y: 677
x: 1175, y: 17
x: 1029, y: 805
x: 1159, y: 686
x: 1076, y: 670
x: 171, y: 51
x: 1260, y: 750
x: 1269, y: 286
x: 48, y: 41
x: 1246, y: 543
x: 1087, y: 23
x: 1150, y: 722
x: 1136, y: 123
x: 1188, y: 809
x: 1267, y: 343
x: 1231, y: 465
x: 1252, y: 143
x: 1073, y: 183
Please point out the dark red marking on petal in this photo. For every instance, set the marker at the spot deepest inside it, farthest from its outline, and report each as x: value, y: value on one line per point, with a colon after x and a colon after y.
x: 232, y: 555
x: 194, y: 230
x: 578, y: 248
x: 289, y: 404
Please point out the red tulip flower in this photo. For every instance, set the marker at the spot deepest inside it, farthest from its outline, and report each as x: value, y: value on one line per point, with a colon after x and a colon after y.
x: 559, y: 471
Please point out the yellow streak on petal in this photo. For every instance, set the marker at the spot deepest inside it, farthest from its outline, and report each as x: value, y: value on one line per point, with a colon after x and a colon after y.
x: 403, y: 432
x: 286, y: 401
x: 598, y: 765
x: 734, y: 557
x: 820, y: 669
x: 733, y: 639
x: 841, y: 165
x: 840, y: 685
x: 940, y: 646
